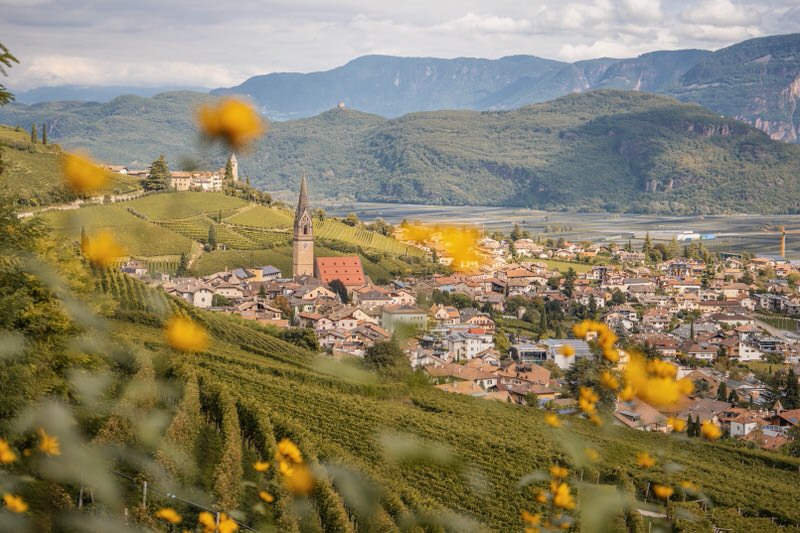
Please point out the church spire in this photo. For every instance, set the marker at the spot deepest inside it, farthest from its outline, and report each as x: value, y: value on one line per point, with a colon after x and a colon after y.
x: 303, y: 241
x: 302, y: 203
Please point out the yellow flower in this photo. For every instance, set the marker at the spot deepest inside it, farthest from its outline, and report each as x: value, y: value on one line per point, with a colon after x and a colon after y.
x: 663, y: 492
x: 15, y: 504
x: 288, y: 450
x: 645, y: 460
x: 558, y: 472
x: 7, y: 455
x: 552, y: 420
x: 654, y: 382
x: 589, y: 394
x: 169, y: 515
x: 541, y: 497
x: 710, y: 431
x: 562, y: 498
x: 207, y: 520
x: 232, y: 121
x: 676, y: 424
x: 595, y: 419
x: 48, y: 444
x: 608, y: 380
x: 82, y: 174
x: 184, y: 335
x: 592, y: 455
x: 299, y: 480
x: 586, y: 406
x: 102, y: 250
x: 627, y: 394
x: 581, y: 329
x: 688, y: 485
x: 607, y: 339
x: 266, y: 496
x: 532, y: 519
x: 566, y: 350
x: 260, y: 466
x: 227, y: 524
x: 611, y: 354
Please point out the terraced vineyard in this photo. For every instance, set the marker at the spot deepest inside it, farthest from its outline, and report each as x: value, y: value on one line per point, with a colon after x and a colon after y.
x: 257, y: 389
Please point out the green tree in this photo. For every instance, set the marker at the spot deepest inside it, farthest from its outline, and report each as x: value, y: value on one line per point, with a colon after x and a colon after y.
x: 44, y: 132
x: 159, y: 176
x: 338, y: 287
x: 34, y: 134
x: 722, y: 392
x: 542, y: 320
x: 791, y: 394
x: 229, y: 170
x: 585, y: 372
x: 569, y: 282
x: 501, y: 343
x: 7, y: 60
x: 351, y: 220
x: 319, y: 214
x: 617, y: 297
x: 674, y: 248
x: 647, y: 246
x: 183, y: 266
x: 212, y: 236
x: 516, y: 233
x: 387, y: 358
x: 793, y: 446
x: 219, y: 300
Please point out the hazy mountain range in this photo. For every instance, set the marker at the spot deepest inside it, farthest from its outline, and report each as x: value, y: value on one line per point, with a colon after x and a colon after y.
x: 757, y: 81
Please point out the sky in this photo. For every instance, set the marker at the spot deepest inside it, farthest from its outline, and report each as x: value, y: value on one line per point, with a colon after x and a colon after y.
x: 204, y: 43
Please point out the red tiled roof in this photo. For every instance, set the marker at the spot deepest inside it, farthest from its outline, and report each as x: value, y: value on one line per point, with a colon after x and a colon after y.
x: 348, y: 269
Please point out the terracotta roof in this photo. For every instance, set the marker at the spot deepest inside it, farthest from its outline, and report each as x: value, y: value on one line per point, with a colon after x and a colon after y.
x: 348, y: 269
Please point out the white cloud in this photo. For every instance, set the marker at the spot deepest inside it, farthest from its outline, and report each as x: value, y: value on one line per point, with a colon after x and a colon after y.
x: 485, y: 23
x: 721, y: 13
x: 641, y: 10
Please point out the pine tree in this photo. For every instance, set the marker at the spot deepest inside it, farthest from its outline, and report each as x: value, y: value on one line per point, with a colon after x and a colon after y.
x: 44, y: 132
x: 647, y: 247
x: 542, y: 320
x: 516, y: 233
x: 674, y: 249
x: 212, y: 236
x: 569, y: 282
x: 34, y: 134
x: 791, y: 393
x: 229, y: 170
x: 159, y: 177
x: 183, y: 266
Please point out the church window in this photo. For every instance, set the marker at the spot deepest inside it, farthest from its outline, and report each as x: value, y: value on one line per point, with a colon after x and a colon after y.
x: 305, y: 230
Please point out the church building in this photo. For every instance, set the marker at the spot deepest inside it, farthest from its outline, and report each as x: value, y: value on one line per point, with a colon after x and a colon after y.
x: 347, y: 269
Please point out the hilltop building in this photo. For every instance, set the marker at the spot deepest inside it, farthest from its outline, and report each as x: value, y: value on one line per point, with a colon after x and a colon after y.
x: 234, y: 167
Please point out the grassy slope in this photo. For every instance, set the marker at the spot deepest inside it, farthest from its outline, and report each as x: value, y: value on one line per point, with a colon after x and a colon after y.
x: 340, y: 419
x: 166, y: 224
x: 33, y: 171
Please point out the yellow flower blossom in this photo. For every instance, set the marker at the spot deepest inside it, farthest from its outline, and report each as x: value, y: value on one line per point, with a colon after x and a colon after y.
x: 592, y: 455
x: 7, y: 455
x: 558, y: 472
x: 581, y: 329
x: 654, y: 382
x: 608, y: 380
x: 47, y: 443
x: 541, y: 497
x: 287, y: 450
x: 208, y: 521
x: 15, y: 504
x: 662, y: 492
x: 627, y: 394
x: 231, y: 121
x: 676, y: 424
x: 260, y: 466
x: 710, y: 431
x: 688, y: 485
x: 566, y: 350
x: 586, y: 406
x: 169, y: 515
x: 82, y: 174
x: 562, y: 497
x: 299, y: 480
x: 532, y: 519
x: 227, y: 524
x: 552, y: 420
x: 589, y: 394
x: 102, y: 250
x: 184, y: 335
x: 266, y: 496
x: 645, y: 460
x: 595, y: 419
x: 611, y: 354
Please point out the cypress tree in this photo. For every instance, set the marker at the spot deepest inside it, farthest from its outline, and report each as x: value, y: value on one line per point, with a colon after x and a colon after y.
x: 229, y: 170
x: 183, y: 266
x: 722, y: 392
x: 542, y: 320
x: 791, y: 394
x: 212, y: 236
x: 34, y: 134
x: 44, y: 132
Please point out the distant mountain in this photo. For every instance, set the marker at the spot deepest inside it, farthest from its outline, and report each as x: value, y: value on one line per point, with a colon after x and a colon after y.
x: 93, y: 93
x: 603, y: 149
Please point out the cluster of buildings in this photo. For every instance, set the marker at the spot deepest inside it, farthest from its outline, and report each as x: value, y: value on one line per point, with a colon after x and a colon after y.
x: 181, y: 180
x: 683, y: 310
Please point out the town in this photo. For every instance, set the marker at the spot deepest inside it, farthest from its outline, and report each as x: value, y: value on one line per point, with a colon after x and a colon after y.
x: 497, y: 325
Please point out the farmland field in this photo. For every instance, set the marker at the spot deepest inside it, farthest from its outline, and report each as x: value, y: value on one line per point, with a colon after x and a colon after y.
x: 185, y: 204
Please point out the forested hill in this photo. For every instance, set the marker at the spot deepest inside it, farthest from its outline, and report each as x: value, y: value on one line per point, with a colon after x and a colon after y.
x: 606, y: 149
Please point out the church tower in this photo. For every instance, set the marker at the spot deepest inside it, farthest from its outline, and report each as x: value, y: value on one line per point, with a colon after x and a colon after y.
x: 234, y: 167
x: 303, y: 242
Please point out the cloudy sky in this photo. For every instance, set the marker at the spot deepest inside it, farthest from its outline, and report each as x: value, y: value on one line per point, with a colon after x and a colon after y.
x: 213, y: 43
